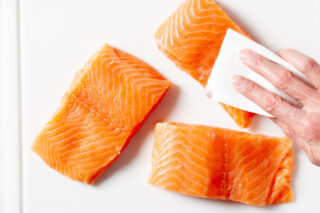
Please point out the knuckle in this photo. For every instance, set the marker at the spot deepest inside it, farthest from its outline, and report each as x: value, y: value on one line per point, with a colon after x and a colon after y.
x: 251, y: 87
x: 312, y: 157
x: 258, y: 61
x: 309, y: 126
x: 313, y: 160
x: 288, y: 131
x: 272, y: 102
x: 285, y: 79
x: 308, y: 64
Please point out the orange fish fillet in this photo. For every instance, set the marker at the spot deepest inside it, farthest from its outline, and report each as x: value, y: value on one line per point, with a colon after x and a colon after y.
x: 218, y: 163
x: 105, y: 105
x: 192, y: 36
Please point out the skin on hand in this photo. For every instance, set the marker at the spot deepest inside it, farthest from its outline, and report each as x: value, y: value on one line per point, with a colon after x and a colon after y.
x: 300, y: 123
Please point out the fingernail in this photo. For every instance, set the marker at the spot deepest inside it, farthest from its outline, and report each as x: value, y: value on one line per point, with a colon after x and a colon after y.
x: 238, y: 82
x: 246, y: 55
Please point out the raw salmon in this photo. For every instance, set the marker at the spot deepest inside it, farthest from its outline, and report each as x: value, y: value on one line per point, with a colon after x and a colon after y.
x: 105, y: 105
x: 218, y: 163
x: 192, y: 36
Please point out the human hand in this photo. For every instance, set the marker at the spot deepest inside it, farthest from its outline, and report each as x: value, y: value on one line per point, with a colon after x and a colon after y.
x: 300, y: 123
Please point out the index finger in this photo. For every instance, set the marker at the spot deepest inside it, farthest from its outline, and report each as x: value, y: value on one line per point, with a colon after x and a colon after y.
x: 268, y: 101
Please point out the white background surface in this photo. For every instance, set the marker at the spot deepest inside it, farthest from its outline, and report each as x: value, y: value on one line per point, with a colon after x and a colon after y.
x: 58, y: 37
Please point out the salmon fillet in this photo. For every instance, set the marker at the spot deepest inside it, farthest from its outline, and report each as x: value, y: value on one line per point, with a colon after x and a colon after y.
x: 192, y: 36
x: 105, y: 105
x: 218, y: 163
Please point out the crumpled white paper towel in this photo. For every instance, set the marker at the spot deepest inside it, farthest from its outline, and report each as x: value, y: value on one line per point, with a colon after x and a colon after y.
x: 228, y: 64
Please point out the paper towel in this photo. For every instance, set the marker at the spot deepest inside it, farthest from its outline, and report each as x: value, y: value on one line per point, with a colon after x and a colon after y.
x: 220, y: 85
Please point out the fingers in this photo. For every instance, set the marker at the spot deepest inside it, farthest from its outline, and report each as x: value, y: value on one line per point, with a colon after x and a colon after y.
x: 280, y: 77
x: 304, y: 64
x: 270, y: 102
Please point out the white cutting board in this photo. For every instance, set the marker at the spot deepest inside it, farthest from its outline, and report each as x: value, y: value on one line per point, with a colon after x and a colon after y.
x: 57, y: 38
